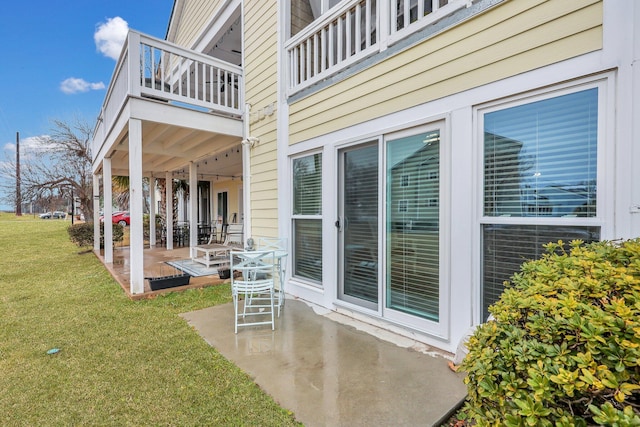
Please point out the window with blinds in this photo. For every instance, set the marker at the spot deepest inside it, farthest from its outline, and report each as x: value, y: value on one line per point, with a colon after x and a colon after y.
x: 506, y: 247
x: 540, y: 161
x: 540, y: 158
x: 413, y: 223
x: 307, y: 217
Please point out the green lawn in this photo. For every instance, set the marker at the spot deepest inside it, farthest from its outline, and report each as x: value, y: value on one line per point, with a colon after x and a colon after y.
x: 120, y: 362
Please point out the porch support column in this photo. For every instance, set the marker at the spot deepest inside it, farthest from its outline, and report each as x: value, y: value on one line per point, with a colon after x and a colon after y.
x: 96, y: 214
x: 193, y: 206
x: 152, y: 211
x: 169, y: 209
x: 136, y: 229
x: 107, y: 185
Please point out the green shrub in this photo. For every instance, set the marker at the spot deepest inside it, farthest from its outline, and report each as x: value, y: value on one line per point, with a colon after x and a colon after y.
x: 82, y: 234
x: 564, y: 348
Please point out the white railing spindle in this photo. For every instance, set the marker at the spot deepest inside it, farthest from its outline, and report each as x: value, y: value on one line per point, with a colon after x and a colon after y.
x: 354, y: 30
x: 162, y: 71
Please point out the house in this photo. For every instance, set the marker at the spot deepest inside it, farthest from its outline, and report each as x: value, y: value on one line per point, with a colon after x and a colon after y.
x: 412, y: 152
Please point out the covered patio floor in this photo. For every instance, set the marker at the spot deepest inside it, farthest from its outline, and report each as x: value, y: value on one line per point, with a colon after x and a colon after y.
x: 155, y: 264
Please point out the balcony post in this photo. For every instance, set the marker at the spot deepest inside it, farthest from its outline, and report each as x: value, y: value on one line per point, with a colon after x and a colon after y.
x: 152, y: 211
x: 384, y: 24
x: 193, y: 206
x: 96, y: 214
x: 169, y: 209
x: 133, y: 63
x: 136, y: 229
x: 107, y: 185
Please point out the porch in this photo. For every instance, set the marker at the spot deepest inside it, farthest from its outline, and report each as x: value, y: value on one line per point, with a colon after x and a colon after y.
x: 155, y: 264
x: 169, y: 114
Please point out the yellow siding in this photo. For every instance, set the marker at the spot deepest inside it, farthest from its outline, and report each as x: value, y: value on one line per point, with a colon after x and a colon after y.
x: 512, y: 38
x: 261, y: 90
x: 196, y: 15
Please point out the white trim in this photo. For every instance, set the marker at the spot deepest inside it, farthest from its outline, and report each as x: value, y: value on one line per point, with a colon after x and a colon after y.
x: 439, y: 329
x: 321, y: 217
x: 605, y: 194
x: 615, y: 65
x: 216, y: 26
x: 605, y: 83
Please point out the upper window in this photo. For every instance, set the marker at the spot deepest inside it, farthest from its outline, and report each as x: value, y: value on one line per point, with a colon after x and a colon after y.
x: 540, y: 158
x: 304, y: 12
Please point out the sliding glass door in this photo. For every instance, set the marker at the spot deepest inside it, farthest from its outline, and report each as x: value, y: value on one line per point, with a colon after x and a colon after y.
x: 358, y: 225
x: 390, y: 255
x: 413, y: 224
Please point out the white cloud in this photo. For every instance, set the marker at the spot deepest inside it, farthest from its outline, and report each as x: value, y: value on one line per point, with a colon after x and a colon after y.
x: 31, y: 144
x: 73, y: 85
x: 110, y: 36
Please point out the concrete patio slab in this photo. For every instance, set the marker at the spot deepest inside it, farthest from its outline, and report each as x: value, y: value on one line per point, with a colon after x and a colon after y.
x: 330, y: 373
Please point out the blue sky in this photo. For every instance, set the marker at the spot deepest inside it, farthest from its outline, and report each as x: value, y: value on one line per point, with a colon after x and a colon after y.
x: 57, y: 60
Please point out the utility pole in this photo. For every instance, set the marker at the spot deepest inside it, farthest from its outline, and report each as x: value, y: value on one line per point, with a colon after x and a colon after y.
x: 18, y: 192
x: 73, y: 206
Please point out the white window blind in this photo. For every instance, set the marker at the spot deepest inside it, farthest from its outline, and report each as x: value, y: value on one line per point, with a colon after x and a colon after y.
x: 506, y: 247
x: 360, y: 225
x: 413, y: 206
x: 540, y: 158
x: 307, y: 217
x: 540, y: 161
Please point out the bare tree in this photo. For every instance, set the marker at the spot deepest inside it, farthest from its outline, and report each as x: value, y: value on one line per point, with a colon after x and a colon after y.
x: 57, y: 166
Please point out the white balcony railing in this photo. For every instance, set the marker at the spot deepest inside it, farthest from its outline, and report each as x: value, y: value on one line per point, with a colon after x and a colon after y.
x: 354, y: 30
x: 159, y: 70
x: 332, y: 42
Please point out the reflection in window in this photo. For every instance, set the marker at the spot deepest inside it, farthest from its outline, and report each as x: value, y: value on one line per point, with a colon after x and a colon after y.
x: 360, y: 217
x: 413, y: 245
x: 307, y: 217
x: 506, y: 247
x: 540, y: 158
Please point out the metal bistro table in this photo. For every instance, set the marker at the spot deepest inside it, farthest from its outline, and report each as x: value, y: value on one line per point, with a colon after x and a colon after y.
x: 280, y: 256
x: 279, y: 247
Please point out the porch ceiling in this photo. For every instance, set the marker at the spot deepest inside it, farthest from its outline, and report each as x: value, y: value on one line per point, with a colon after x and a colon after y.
x: 169, y: 147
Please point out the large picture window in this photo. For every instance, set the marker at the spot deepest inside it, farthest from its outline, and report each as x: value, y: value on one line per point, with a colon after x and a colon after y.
x: 307, y: 217
x: 540, y: 164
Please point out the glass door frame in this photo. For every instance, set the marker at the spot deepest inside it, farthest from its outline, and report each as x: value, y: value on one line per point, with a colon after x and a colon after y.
x: 438, y: 328
x: 341, y: 296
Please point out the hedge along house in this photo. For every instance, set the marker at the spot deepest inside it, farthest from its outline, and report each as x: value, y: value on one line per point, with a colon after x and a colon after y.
x: 414, y: 152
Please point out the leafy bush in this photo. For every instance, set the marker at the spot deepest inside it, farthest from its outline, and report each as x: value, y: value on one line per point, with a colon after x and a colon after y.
x: 82, y: 234
x: 564, y: 348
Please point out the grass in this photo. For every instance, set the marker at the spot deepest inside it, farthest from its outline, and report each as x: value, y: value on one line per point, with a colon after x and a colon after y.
x: 121, y: 362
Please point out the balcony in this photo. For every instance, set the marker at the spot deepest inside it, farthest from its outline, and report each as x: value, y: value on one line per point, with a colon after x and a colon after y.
x: 157, y: 71
x: 355, y: 30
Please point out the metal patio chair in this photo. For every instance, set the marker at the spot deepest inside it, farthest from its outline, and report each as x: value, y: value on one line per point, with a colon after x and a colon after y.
x: 252, y: 278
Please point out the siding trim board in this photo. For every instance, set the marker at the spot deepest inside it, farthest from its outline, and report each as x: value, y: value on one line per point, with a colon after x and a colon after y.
x: 444, y: 65
x: 399, y: 46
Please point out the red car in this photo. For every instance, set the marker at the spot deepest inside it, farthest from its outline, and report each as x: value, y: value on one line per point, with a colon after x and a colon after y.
x: 121, y: 218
